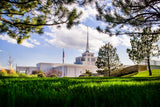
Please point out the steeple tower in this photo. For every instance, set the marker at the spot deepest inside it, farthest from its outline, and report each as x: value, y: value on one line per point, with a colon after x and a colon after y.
x: 87, y: 46
x: 87, y: 57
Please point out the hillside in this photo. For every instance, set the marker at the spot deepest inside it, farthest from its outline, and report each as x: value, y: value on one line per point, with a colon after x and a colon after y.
x: 155, y: 72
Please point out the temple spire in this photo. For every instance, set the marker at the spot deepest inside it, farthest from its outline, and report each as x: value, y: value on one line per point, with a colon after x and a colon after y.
x: 87, y: 46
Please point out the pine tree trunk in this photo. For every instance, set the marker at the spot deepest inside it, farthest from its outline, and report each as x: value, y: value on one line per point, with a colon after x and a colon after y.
x: 109, y: 71
x: 149, y: 67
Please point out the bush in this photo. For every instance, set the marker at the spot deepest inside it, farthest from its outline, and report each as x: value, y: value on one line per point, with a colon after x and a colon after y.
x: 88, y: 73
x: 41, y: 75
x: 23, y: 75
x: 12, y: 72
x: 17, y: 72
x: 40, y: 72
x: 53, y: 75
x: 3, y: 72
x: 100, y: 72
x: 84, y: 75
x: 34, y: 72
x: 35, y: 75
x: 13, y: 75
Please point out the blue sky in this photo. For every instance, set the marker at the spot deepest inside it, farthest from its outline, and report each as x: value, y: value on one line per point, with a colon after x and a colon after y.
x: 48, y: 47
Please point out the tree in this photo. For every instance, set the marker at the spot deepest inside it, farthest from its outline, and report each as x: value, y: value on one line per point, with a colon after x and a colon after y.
x: 107, y: 58
x: 135, y: 13
x: 143, y: 46
x: 20, y: 18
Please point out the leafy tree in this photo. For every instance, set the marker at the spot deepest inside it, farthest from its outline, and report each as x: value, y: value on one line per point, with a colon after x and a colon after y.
x: 19, y: 18
x: 143, y: 46
x: 135, y: 13
x: 107, y: 58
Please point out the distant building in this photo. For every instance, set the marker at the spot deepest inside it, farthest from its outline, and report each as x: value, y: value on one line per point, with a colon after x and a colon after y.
x: 82, y: 63
x: 87, y: 57
x: 152, y: 62
x: 155, y: 64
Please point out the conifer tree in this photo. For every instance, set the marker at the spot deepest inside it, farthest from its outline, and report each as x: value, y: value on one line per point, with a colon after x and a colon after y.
x: 19, y: 18
x: 132, y: 13
x: 107, y: 58
x: 143, y: 47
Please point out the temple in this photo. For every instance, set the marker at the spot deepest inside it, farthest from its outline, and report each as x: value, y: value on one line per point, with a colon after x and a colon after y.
x: 85, y: 62
x: 87, y: 57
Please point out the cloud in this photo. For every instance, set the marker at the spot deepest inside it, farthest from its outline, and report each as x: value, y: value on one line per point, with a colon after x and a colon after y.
x: 77, y: 38
x: 1, y: 51
x: 125, y: 41
x: 25, y: 43
x: 34, y: 41
x: 88, y: 11
x: 8, y: 39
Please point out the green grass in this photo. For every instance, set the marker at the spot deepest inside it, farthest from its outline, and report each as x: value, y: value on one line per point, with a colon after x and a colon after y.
x: 129, y: 75
x: 80, y: 92
x: 155, y: 72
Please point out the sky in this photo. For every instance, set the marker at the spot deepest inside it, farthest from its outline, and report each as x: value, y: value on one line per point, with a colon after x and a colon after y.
x: 48, y: 47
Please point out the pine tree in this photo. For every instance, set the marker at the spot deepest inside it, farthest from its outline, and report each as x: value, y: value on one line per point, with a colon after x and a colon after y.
x: 143, y: 46
x: 132, y: 13
x: 19, y: 18
x: 107, y: 58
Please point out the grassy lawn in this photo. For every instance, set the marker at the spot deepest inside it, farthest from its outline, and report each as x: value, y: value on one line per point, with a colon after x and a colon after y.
x: 81, y: 92
x: 155, y: 72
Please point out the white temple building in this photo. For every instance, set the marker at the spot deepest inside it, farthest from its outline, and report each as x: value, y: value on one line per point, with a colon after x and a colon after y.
x: 85, y: 62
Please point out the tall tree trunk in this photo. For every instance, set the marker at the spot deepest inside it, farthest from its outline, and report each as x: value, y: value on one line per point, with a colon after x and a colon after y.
x: 109, y: 70
x: 105, y: 72
x: 149, y: 67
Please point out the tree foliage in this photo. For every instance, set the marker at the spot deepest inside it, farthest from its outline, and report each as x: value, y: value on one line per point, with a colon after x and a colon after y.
x: 135, y: 13
x: 143, y: 46
x: 19, y: 18
x: 107, y: 58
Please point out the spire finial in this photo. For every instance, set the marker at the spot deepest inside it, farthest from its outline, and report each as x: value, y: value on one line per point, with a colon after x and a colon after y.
x: 87, y: 46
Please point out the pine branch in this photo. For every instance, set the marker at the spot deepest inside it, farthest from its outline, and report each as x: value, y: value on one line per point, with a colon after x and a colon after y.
x: 7, y: 21
x: 56, y: 23
x: 17, y: 2
x: 131, y: 33
x: 13, y: 13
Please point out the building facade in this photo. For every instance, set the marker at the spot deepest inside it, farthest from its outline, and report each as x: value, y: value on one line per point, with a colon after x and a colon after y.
x: 87, y: 58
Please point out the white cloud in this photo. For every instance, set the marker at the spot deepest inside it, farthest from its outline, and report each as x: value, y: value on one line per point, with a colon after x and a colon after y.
x: 8, y: 39
x: 1, y: 51
x: 13, y: 41
x: 27, y: 44
x: 125, y: 41
x: 155, y: 27
x: 34, y: 41
x: 88, y: 11
x: 77, y: 37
